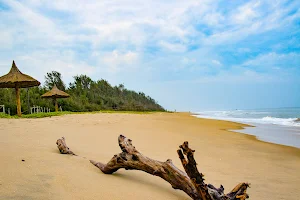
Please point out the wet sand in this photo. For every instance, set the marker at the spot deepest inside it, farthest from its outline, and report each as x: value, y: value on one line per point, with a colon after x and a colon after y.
x: 224, y: 157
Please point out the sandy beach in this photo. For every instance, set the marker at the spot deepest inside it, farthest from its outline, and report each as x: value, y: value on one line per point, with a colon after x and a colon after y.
x: 224, y: 157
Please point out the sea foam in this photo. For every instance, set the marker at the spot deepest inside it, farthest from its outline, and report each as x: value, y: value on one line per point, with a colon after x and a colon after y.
x: 283, y: 117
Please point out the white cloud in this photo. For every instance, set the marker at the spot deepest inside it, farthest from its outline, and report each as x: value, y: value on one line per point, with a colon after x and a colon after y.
x: 216, y: 62
x: 125, y: 24
x: 37, y: 64
x: 117, y: 61
x: 172, y: 47
x: 213, y: 19
x: 274, y: 60
x: 188, y: 61
x: 6, y: 40
x: 31, y: 25
x: 252, y: 19
x: 246, y: 13
x: 115, y: 36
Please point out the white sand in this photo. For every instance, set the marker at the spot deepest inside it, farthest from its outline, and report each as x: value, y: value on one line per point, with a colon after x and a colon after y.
x: 224, y: 157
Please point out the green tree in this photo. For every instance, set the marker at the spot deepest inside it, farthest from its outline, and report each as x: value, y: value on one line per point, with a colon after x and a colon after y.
x: 85, y: 95
x: 52, y: 78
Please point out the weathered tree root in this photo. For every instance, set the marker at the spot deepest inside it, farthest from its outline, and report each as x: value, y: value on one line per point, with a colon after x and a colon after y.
x: 191, y: 182
x: 63, y: 148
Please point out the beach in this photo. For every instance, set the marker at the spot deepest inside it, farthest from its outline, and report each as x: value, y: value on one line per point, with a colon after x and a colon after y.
x: 225, y: 157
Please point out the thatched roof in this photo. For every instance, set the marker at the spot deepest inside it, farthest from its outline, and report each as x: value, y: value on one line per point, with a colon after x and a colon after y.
x: 16, y: 78
x: 55, y: 92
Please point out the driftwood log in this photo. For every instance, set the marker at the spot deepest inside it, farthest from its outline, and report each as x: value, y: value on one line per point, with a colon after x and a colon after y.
x: 62, y: 147
x: 191, y: 182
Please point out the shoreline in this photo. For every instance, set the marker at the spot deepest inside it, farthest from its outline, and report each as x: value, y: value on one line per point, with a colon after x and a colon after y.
x: 224, y: 156
x: 254, y: 132
x: 239, y: 129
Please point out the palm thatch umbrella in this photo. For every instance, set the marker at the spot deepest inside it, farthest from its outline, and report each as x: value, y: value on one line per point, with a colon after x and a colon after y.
x: 55, y: 93
x: 16, y: 79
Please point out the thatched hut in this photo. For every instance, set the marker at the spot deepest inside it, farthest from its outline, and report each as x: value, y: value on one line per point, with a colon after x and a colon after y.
x: 16, y: 79
x: 55, y: 93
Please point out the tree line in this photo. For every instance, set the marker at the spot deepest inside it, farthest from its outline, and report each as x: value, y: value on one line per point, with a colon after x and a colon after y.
x: 85, y: 95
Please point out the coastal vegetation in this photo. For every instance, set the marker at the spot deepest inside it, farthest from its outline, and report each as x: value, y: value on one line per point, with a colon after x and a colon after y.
x: 86, y: 95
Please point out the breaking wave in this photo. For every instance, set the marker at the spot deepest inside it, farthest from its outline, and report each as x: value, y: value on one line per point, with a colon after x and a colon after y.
x: 282, y: 118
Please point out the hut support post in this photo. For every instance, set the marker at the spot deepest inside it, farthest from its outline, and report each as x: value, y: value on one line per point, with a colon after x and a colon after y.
x: 56, y: 105
x: 18, y: 99
x: 28, y: 104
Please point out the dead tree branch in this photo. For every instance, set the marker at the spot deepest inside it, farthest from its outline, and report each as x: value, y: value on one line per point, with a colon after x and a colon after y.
x: 191, y: 182
x: 63, y: 148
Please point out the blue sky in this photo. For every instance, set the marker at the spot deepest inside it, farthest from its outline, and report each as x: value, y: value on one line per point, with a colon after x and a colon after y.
x: 188, y: 55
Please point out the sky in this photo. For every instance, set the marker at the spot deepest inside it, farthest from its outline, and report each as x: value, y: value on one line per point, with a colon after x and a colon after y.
x: 190, y: 55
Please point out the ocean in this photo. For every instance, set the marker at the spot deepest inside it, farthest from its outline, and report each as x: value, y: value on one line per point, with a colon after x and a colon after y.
x: 275, y: 125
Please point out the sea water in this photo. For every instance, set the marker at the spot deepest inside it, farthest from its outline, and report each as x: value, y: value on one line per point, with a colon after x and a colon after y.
x: 276, y: 125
